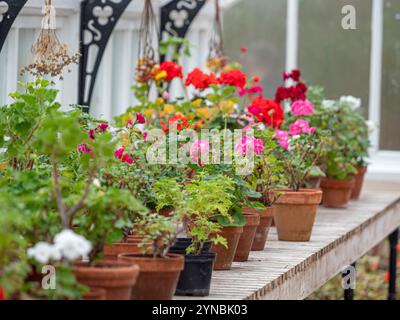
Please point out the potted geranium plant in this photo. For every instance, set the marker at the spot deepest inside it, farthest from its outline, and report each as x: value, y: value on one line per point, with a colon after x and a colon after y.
x: 267, y: 175
x: 206, y: 197
x: 159, y: 270
x: 340, y: 159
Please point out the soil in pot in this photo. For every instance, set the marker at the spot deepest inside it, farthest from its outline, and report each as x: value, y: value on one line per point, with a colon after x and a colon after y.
x: 294, y: 213
x: 115, y: 277
x: 158, y: 277
x: 225, y: 256
x: 195, y: 279
x: 247, y: 237
x: 266, y: 218
x: 183, y: 243
x: 358, y: 184
x: 95, y: 294
x: 337, y: 193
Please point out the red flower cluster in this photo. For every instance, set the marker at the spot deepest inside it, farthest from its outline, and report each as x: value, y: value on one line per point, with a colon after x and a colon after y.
x: 294, y: 93
x: 233, y: 77
x: 200, y: 80
x: 2, y: 294
x: 124, y: 157
x: 179, y: 120
x: 172, y: 69
x: 267, y: 111
x: 294, y: 75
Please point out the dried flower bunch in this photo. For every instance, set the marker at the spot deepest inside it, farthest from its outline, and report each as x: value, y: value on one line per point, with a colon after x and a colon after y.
x: 50, y: 55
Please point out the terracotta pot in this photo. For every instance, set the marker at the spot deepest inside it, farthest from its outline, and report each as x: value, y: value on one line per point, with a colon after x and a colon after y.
x: 158, y: 277
x: 266, y: 218
x: 95, y: 294
x: 115, y: 277
x: 247, y: 237
x: 294, y: 213
x: 337, y: 193
x: 359, y: 181
x: 111, y: 252
x: 225, y: 256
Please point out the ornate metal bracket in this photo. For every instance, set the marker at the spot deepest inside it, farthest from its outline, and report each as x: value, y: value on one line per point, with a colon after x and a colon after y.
x: 98, y: 19
x: 177, y: 16
x: 9, y: 10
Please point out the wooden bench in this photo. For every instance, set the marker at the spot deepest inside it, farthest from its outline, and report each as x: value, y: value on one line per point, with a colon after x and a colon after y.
x: 293, y: 270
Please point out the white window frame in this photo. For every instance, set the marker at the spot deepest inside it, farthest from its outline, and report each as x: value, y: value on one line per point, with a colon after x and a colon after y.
x: 384, y: 165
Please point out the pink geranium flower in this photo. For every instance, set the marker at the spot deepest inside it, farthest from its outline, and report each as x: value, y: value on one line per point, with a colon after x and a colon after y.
x: 102, y: 127
x: 301, y: 126
x: 250, y: 143
x: 302, y: 108
x: 140, y: 119
x: 283, y: 138
x: 199, y: 150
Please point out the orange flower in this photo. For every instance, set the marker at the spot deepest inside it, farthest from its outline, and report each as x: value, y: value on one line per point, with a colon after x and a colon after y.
x: 179, y: 120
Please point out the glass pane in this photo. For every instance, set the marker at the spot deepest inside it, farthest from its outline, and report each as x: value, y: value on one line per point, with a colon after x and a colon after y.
x: 260, y: 26
x: 390, y: 107
x: 331, y: 56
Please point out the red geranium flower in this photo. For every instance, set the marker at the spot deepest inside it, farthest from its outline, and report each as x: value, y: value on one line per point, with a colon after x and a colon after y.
x: 233, y: 77
x: 127, y: 159
x: 172, y: 69
x: 267, y: 111
x: 199, y: 79
x: 2, y: 294
x: 179, y: 120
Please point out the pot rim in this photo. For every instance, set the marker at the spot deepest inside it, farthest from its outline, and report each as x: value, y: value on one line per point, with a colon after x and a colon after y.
x: 149, y: 257
x: 121, y: 266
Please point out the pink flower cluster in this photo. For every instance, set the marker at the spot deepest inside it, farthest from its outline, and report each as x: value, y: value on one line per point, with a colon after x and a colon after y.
x: 302, y: 108
x: 198, y: 150
x: 250, y: 143
x: 100, y: 128
x: 83, y: 148
x: 299, y: 127
x: 138, y: 120
x: 124, y: 157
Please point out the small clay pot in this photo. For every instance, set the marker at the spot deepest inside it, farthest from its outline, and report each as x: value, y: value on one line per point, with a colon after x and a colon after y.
x: 247, y: 237
x: 158, y: 276
x: 95, y: 294
x: 294, y: 213
x: 225, y: 256
x: 134, y: 239
x: 261, y: 236
x: 358, y: 184
x: 166, y: 212
x: 337, y: 193
x: 115, y: 277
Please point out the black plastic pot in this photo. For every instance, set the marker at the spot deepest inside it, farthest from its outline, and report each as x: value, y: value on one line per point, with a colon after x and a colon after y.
x: 183, y: 243
x: 195, y: 279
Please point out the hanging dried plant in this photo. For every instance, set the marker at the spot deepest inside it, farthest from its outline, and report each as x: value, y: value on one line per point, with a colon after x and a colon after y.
x: 50, y: 55
x: 216, y: 58
x: 146, y: 54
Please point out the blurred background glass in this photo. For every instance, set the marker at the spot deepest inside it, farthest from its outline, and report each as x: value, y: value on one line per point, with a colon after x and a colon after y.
x: 259, y: 26
x: 332, y: 57
x: 390, y: 101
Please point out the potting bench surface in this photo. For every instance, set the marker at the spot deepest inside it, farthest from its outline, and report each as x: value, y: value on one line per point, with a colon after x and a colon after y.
x: 293, y: 270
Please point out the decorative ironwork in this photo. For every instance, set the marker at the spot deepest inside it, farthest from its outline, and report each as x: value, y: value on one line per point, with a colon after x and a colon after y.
x: 98, y: 19
x: 9, y: 10
x: 177, y: 16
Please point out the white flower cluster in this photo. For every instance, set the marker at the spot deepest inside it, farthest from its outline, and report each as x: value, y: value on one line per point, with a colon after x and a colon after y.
x: 354, y: 102
x: 67, y: 245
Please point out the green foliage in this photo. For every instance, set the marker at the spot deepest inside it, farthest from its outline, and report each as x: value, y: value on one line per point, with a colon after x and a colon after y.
x: 168, y: 193
x: 159, y: 230
x: 20, y: 120
x: 175, y: 45
x: 107, y: 213
x: 348, y: 146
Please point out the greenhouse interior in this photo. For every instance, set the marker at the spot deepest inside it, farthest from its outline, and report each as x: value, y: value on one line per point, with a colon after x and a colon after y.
x: 199, y: 151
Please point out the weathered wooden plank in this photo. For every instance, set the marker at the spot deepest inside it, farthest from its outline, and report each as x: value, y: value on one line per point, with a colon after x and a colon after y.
x: 291, y: 270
